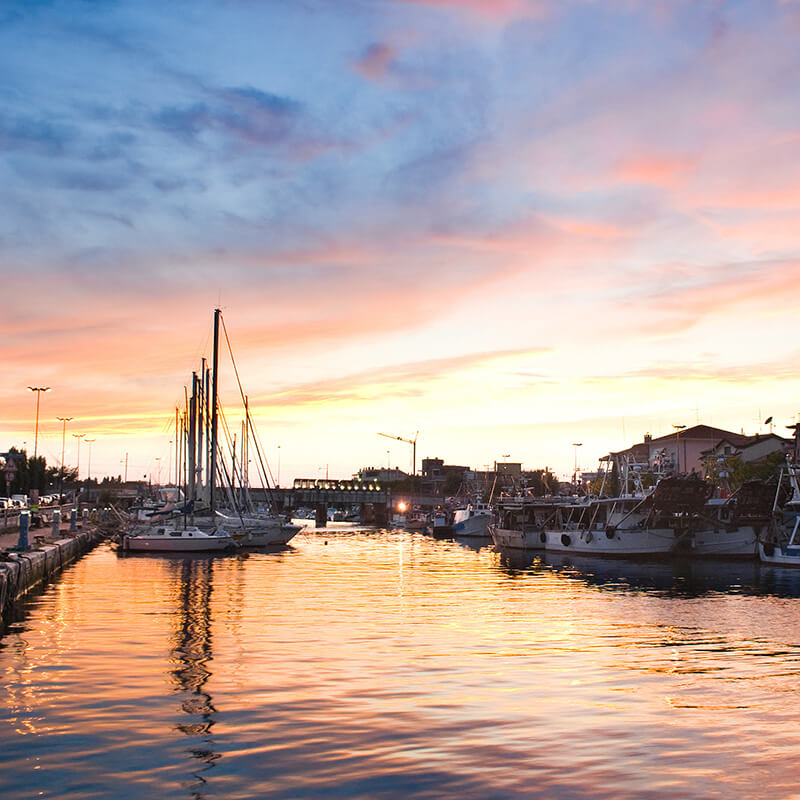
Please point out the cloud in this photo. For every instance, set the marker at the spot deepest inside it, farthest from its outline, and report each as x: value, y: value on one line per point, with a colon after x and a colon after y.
x: 500, y: 10
x: 375, y: 61
x: 411, y: 379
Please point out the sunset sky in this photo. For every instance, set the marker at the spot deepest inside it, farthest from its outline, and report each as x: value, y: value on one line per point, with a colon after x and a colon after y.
x: 509, y: 225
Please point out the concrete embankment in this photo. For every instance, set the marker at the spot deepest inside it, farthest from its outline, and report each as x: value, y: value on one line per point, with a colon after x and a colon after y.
x: 22, y: 571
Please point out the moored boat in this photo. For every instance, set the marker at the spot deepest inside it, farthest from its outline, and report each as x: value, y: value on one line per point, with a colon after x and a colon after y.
x: 782, y: 545
x: 260, y: 530
x: 169, y: 538
x: 472, y: 520
x: 658, y: 524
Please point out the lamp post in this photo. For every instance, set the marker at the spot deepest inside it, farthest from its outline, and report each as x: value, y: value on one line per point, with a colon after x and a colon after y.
x: 79, y: 436
x: 678, y: 429
x: 89, y: 442
x: 576, y: 445
x: 38, y: 390
x: 65, y: 420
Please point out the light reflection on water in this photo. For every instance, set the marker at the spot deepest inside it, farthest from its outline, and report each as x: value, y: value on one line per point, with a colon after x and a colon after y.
x: 387, y: 664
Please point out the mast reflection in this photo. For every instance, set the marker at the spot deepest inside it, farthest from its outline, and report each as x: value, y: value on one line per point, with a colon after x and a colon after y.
x: 191, y: 654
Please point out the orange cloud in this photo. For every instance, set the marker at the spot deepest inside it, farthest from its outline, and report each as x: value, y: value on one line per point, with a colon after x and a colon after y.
x: 664, y: 171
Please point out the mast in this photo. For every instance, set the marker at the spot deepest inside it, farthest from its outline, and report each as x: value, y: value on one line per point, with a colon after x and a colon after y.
x: 192, y: 443
x: 212, y: 472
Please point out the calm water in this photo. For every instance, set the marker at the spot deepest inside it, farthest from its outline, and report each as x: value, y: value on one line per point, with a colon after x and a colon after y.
x: 387, y: 664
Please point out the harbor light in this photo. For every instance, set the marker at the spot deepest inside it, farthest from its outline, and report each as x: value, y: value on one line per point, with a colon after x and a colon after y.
x: 402, y: 507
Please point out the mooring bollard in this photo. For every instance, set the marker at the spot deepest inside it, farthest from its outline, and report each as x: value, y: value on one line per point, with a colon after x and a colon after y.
x: 85, y: 516
x: 56, y: 522
x: 24, y: 519
x: 73, y: 520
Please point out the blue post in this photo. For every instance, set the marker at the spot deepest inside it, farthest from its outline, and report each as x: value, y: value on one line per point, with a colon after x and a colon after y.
x: 56, y: 523
x: 73, y: 520
x: 24, y: 518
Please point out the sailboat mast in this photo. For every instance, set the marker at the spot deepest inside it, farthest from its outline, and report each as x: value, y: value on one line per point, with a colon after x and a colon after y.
x: 192, y: 442
x: 212, y: 464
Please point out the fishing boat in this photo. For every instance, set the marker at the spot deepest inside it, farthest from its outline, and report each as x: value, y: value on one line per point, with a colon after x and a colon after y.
x: 439, y: 525
x: 519, y: 523
x: 657, y: 525
x: 781, y: 546
x: 472, y: 519
x: 171, y: 538
x: 731, y: 527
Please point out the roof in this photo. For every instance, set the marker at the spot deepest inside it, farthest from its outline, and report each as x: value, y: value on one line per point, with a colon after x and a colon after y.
x: 743, y: 442
x: 705, y: 432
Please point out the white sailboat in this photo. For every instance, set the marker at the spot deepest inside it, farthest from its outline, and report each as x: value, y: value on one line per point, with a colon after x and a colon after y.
x: 176, y: 538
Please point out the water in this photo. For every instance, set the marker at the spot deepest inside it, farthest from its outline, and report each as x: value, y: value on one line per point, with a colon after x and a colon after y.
x: 388, y: 664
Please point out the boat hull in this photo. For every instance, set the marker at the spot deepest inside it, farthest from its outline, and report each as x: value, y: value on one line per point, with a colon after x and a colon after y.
x: 269, y: 537
x: 738, y: 543
x: 177, y: 544
x: 781, y: 555
x: 472, y: 526
x: 515, y: 539
x: 621, y: 542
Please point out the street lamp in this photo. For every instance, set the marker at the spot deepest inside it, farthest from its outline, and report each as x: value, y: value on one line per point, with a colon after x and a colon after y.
x: 65, y: 420
x: 38, y: 390
x: 79, y: 436
x: 678, y: 429
x: 89, y: 442
x: 576, y: 445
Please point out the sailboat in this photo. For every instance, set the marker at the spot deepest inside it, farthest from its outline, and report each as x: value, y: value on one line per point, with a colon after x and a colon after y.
x: 249, y: 525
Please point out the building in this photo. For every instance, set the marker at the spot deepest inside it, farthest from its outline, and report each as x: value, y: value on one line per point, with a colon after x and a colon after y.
x: 756, y: 449
x: 688, y: 449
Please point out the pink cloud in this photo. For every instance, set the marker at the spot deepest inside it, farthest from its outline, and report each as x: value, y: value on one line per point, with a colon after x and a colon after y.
x: 659, y: 170
x: 375, y: 62
x: 490, y: 9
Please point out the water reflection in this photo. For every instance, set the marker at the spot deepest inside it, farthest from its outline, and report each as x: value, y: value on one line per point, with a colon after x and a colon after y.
x: 191, y: 654
x: 674, y: 577
x: 388, y: 664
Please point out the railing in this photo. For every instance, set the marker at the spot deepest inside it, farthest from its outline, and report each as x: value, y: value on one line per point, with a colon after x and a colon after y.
x: 9, y: 517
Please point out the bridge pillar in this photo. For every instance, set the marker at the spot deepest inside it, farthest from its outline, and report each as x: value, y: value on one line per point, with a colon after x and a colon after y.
x: 379, y: 512
x: 321, y: 515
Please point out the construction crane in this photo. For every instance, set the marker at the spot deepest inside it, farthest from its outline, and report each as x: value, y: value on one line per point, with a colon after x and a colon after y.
x: 412, y: 442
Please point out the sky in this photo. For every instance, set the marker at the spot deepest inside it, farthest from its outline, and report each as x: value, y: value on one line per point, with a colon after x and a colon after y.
x: 508, y: 225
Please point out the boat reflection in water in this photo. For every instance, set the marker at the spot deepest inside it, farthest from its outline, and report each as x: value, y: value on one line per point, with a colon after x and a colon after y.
x: 191, y: 654
x: 676, y: 577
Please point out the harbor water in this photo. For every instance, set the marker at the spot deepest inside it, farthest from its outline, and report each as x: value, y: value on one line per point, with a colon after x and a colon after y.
x: 372, y: 664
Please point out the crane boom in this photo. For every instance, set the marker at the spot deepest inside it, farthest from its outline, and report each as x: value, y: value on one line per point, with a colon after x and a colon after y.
x: 399, y: 438
x: 412, y: 442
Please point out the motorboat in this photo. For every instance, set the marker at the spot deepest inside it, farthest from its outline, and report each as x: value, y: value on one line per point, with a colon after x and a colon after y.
x: 171, y: 538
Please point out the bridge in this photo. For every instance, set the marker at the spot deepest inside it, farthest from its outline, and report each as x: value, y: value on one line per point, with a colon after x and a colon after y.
x: 374, y: 499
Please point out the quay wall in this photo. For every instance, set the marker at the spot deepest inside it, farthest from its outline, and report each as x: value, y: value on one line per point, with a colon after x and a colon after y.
x: 21, y: 572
